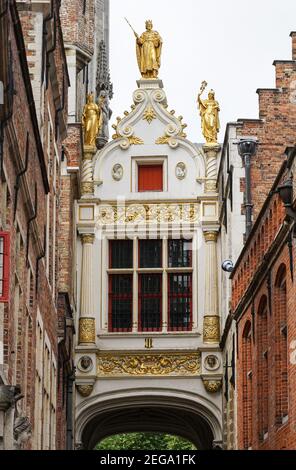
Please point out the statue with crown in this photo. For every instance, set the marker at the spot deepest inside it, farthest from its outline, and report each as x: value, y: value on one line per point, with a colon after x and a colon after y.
x: 148, y: 48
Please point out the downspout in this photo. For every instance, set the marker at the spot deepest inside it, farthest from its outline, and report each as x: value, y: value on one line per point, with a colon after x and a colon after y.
x: 247, y: 149
x: 18, y: 177
x: 44, y: 53
x: 34, y: 216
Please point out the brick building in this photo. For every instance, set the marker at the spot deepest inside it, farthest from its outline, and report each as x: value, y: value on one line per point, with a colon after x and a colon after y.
x: 43, y: 86
x: 35, y: 333
x: 263, y: 306
x: 253, y: 224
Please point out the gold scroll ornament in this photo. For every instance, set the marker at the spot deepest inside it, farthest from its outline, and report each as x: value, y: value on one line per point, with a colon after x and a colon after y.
x: 87, y: 333
x: 148, y: 364
x: 211, y: 329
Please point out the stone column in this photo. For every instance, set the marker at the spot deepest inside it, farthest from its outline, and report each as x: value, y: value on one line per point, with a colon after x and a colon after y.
x: 87, y: 172
x: 211, y: 323
x: 87, y: 330
x: 211, y: 154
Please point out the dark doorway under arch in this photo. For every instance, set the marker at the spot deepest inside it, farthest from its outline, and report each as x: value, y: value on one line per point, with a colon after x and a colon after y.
x: 141, y: 418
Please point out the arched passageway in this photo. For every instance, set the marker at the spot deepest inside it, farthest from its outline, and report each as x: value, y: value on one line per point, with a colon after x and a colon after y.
x: 186, y: 420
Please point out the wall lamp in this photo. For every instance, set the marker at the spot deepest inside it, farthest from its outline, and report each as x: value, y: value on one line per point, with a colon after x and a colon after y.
x: 285, y: 191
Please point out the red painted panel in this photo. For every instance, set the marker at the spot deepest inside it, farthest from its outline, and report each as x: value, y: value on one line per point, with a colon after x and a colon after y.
x: 150, y: 178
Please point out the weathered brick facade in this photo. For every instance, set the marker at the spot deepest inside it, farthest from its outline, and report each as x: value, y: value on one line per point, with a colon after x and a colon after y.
x: 263, y: 305
x: 35, y: 322
x: 250, y: 331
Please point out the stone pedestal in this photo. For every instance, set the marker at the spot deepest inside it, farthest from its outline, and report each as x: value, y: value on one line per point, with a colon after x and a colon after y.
x: 211, y: 323
x: 87, y: 330
x: 211, y: 152
x: 149, y: 83
x: 87, y: 178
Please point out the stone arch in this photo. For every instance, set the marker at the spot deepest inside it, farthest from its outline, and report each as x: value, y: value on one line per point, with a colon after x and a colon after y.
x: 162, y: 410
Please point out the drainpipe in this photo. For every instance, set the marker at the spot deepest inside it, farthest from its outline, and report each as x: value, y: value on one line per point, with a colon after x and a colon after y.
x: 247, y: 149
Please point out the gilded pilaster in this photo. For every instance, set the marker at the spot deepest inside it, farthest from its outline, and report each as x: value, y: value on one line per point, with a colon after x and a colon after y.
x: 87, y: 319
x: 211, y: 323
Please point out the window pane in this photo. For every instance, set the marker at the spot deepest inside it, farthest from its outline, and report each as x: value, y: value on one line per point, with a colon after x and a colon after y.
x: 150, y: 299
x: 120, y: 302
x: 180, y: 253
x: 150, y: 253
x: 180, y: 302
x: 121, y: 253
x: 150, y: 178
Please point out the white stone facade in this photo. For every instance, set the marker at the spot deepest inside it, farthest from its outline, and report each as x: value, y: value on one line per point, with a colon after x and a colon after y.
x: 187, y: 207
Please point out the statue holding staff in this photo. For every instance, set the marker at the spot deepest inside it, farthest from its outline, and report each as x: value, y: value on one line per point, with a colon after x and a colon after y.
x: 148, y: 48
x: 209, y: 112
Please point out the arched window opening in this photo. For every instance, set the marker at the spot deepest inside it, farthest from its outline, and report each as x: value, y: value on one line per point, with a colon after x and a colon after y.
x: 262, y: 372
x: 281, y: 349
x: 247, y: 385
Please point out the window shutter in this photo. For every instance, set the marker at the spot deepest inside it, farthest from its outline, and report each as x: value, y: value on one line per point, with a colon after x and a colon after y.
x: 150, y: 178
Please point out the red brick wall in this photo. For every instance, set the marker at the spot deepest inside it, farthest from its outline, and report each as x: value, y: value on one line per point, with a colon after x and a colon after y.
x: 275, y: 130
x: 78, y: 27
x: 281, y: 435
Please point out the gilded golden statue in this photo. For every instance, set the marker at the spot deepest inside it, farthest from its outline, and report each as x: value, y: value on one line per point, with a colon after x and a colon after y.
x: 148, y: 48
x: 209, y: 112
x: 92, y: 120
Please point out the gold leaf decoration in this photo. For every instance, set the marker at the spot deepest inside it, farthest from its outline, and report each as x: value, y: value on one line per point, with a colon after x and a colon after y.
x: 134, y: 140
x: 149, y: 114
x: 162, y: 140
x: 143, y: 364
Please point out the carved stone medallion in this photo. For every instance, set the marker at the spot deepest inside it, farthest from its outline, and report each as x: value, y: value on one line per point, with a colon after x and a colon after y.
x: 180, y: 170
x: 117, y: 172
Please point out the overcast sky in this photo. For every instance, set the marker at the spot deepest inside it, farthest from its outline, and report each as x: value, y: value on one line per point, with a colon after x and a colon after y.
x: 229, y: 43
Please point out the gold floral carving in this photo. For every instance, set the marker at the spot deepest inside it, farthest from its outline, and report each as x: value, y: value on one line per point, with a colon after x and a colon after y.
x: 211, y: 236
x: 148, y: 213
x: 87, y: 187
x: 87, y: 237
x: 87, y: 332
x: 163, y: 139
x: 211, y: 329
x: 149, y: 114
x: 122, y: 364
x: 85, y: 389
x: 212, y: 386
x: 134, y: 140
